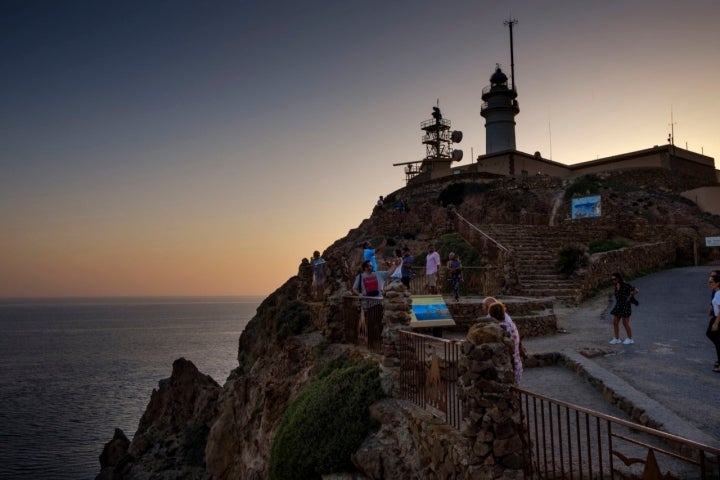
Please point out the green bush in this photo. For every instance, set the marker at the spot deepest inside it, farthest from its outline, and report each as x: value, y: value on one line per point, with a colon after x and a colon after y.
x: 585, y: 185
x: 597, y: 246
x: 455, y: 193
x: 294, y: 318
x: 326, y: 423
x: 456, y: 244
x: 570, y: 258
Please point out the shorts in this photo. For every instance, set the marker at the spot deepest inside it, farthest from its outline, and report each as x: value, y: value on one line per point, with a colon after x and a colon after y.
x: 431, y: 279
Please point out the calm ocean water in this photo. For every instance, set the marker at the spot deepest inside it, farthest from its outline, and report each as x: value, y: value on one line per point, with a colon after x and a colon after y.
x: 71, y: 370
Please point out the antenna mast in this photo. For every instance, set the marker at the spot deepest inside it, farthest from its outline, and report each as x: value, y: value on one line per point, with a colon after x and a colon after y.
x: 509, y: 23
x: 671, y: 137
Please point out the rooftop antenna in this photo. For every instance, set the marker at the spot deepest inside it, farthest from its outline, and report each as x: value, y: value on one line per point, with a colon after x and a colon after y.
x: 671, y: 137
x: 509, y: 23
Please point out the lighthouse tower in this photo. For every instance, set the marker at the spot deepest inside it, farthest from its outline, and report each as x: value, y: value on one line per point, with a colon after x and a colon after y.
x: 500, y: 105
x: 499, y: 109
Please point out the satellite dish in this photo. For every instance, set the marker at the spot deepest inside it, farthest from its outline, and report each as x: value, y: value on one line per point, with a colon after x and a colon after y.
x: 457, y: 155
x: 456, y: 136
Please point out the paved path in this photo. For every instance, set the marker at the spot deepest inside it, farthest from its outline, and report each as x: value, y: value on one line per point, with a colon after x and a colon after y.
x: 667, y: 372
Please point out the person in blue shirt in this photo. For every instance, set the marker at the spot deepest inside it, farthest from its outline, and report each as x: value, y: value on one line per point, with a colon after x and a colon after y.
x: 369, y: 252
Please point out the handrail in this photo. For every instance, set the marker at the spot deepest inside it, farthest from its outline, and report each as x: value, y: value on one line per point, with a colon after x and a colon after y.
x: 482, y: 233
x: 564, y: 440
x: 624, y: 423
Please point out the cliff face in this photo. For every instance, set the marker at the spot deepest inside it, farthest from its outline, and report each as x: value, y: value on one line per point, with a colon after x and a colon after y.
x: 194, y: 428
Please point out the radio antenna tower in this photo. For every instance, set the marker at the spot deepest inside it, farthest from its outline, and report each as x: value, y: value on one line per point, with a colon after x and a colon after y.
x: 510, y: 23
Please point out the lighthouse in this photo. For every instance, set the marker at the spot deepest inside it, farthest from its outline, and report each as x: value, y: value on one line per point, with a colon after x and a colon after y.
x: 499, y: 108
x: 500, y: 105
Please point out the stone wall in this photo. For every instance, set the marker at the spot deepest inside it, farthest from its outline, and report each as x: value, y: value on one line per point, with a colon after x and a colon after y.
x: 628, y: 261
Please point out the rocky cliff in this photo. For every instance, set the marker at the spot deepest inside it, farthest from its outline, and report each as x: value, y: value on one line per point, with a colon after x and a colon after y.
x: 194, y: 428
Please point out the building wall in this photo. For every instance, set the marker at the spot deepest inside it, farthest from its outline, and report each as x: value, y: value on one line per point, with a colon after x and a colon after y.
x: 655, y: 159
x: 707, y: 198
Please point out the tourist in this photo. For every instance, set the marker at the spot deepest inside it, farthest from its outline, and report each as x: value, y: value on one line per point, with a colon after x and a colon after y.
x: 624, y: 297
x: 713, y: 329
x: 369, y: 252
x: 497, y: 311
x: 370, y: 283
x: 407, y: 267
x: 454, y: 274
x: 395, y: 266
x: 432, y: 264
x: 318, y: 265
x: 380, y: 201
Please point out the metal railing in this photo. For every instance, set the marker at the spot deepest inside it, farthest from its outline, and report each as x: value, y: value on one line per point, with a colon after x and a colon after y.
x: 363, y: 321
x: 568, y: 441
x: 429, y: 373
x: 476, y: 281
x: 476, y: 229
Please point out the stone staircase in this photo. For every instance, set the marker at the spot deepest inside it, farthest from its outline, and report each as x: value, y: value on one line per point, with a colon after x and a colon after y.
x: 535, y: 250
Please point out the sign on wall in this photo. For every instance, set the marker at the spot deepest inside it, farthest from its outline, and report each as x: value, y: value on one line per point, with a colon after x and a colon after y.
x: 712, y: 241
x: 586, y: 207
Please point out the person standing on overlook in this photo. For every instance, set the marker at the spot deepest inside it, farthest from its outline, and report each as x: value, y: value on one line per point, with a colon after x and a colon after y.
x: 318, y: 266
x: 432, y: 264
x: 624, y: 297
x: 395, y: 266
x: 407, y: 267
x: 369, y: 252
x: 713, y: 329
x: 455, y: 274
x: 498, y: 312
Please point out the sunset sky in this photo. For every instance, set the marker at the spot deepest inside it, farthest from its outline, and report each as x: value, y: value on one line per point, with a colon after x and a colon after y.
x: 205, y: 147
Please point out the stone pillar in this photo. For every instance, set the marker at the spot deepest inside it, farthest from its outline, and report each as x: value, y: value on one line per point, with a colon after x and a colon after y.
x: 396, y: 316
x: 494, y: 419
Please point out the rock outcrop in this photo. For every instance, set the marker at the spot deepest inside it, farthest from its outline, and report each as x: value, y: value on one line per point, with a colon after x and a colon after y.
x: 194, y: 428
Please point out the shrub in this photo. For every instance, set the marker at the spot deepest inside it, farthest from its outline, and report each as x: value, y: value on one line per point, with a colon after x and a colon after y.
x: 570, y: 258
x: 455, y: 193
x: 585, y: 185
x: 597, y: 246
x: 455, y: 243
x: 326, y: 423
x: 293, y: 319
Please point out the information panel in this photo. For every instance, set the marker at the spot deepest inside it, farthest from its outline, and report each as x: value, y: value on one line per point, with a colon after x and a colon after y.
x: 430, y: 311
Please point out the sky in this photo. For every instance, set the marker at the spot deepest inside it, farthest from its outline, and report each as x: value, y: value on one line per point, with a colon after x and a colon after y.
x: 153, y: 147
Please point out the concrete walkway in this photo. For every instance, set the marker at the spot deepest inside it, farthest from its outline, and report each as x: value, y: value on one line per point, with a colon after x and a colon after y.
x: 667, y: 373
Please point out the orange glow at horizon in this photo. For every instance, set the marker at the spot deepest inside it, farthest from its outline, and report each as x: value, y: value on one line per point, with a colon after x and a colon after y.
x: 147, y: 153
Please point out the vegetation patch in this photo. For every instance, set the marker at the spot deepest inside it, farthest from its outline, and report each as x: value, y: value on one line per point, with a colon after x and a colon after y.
x: 597, y: 246
x: 455, y: 193
x: 585, y: 185
x: 570, y: 258
x: 456, y: 244
x: 326, y: 423
x: 294, y: 319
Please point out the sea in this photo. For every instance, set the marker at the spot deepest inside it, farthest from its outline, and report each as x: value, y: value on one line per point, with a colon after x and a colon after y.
x: 74, y: 369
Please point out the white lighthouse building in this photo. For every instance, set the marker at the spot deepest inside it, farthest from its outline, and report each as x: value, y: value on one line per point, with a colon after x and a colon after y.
x: 499, y: 109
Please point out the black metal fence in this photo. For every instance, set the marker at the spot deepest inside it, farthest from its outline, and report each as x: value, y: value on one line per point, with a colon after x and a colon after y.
x: 429, y: 373
x: 568, y: 441
x: 476, y: 281
x: 363, y: 321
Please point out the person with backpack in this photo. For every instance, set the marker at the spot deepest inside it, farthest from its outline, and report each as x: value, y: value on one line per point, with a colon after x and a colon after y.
x: 369, y: 283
